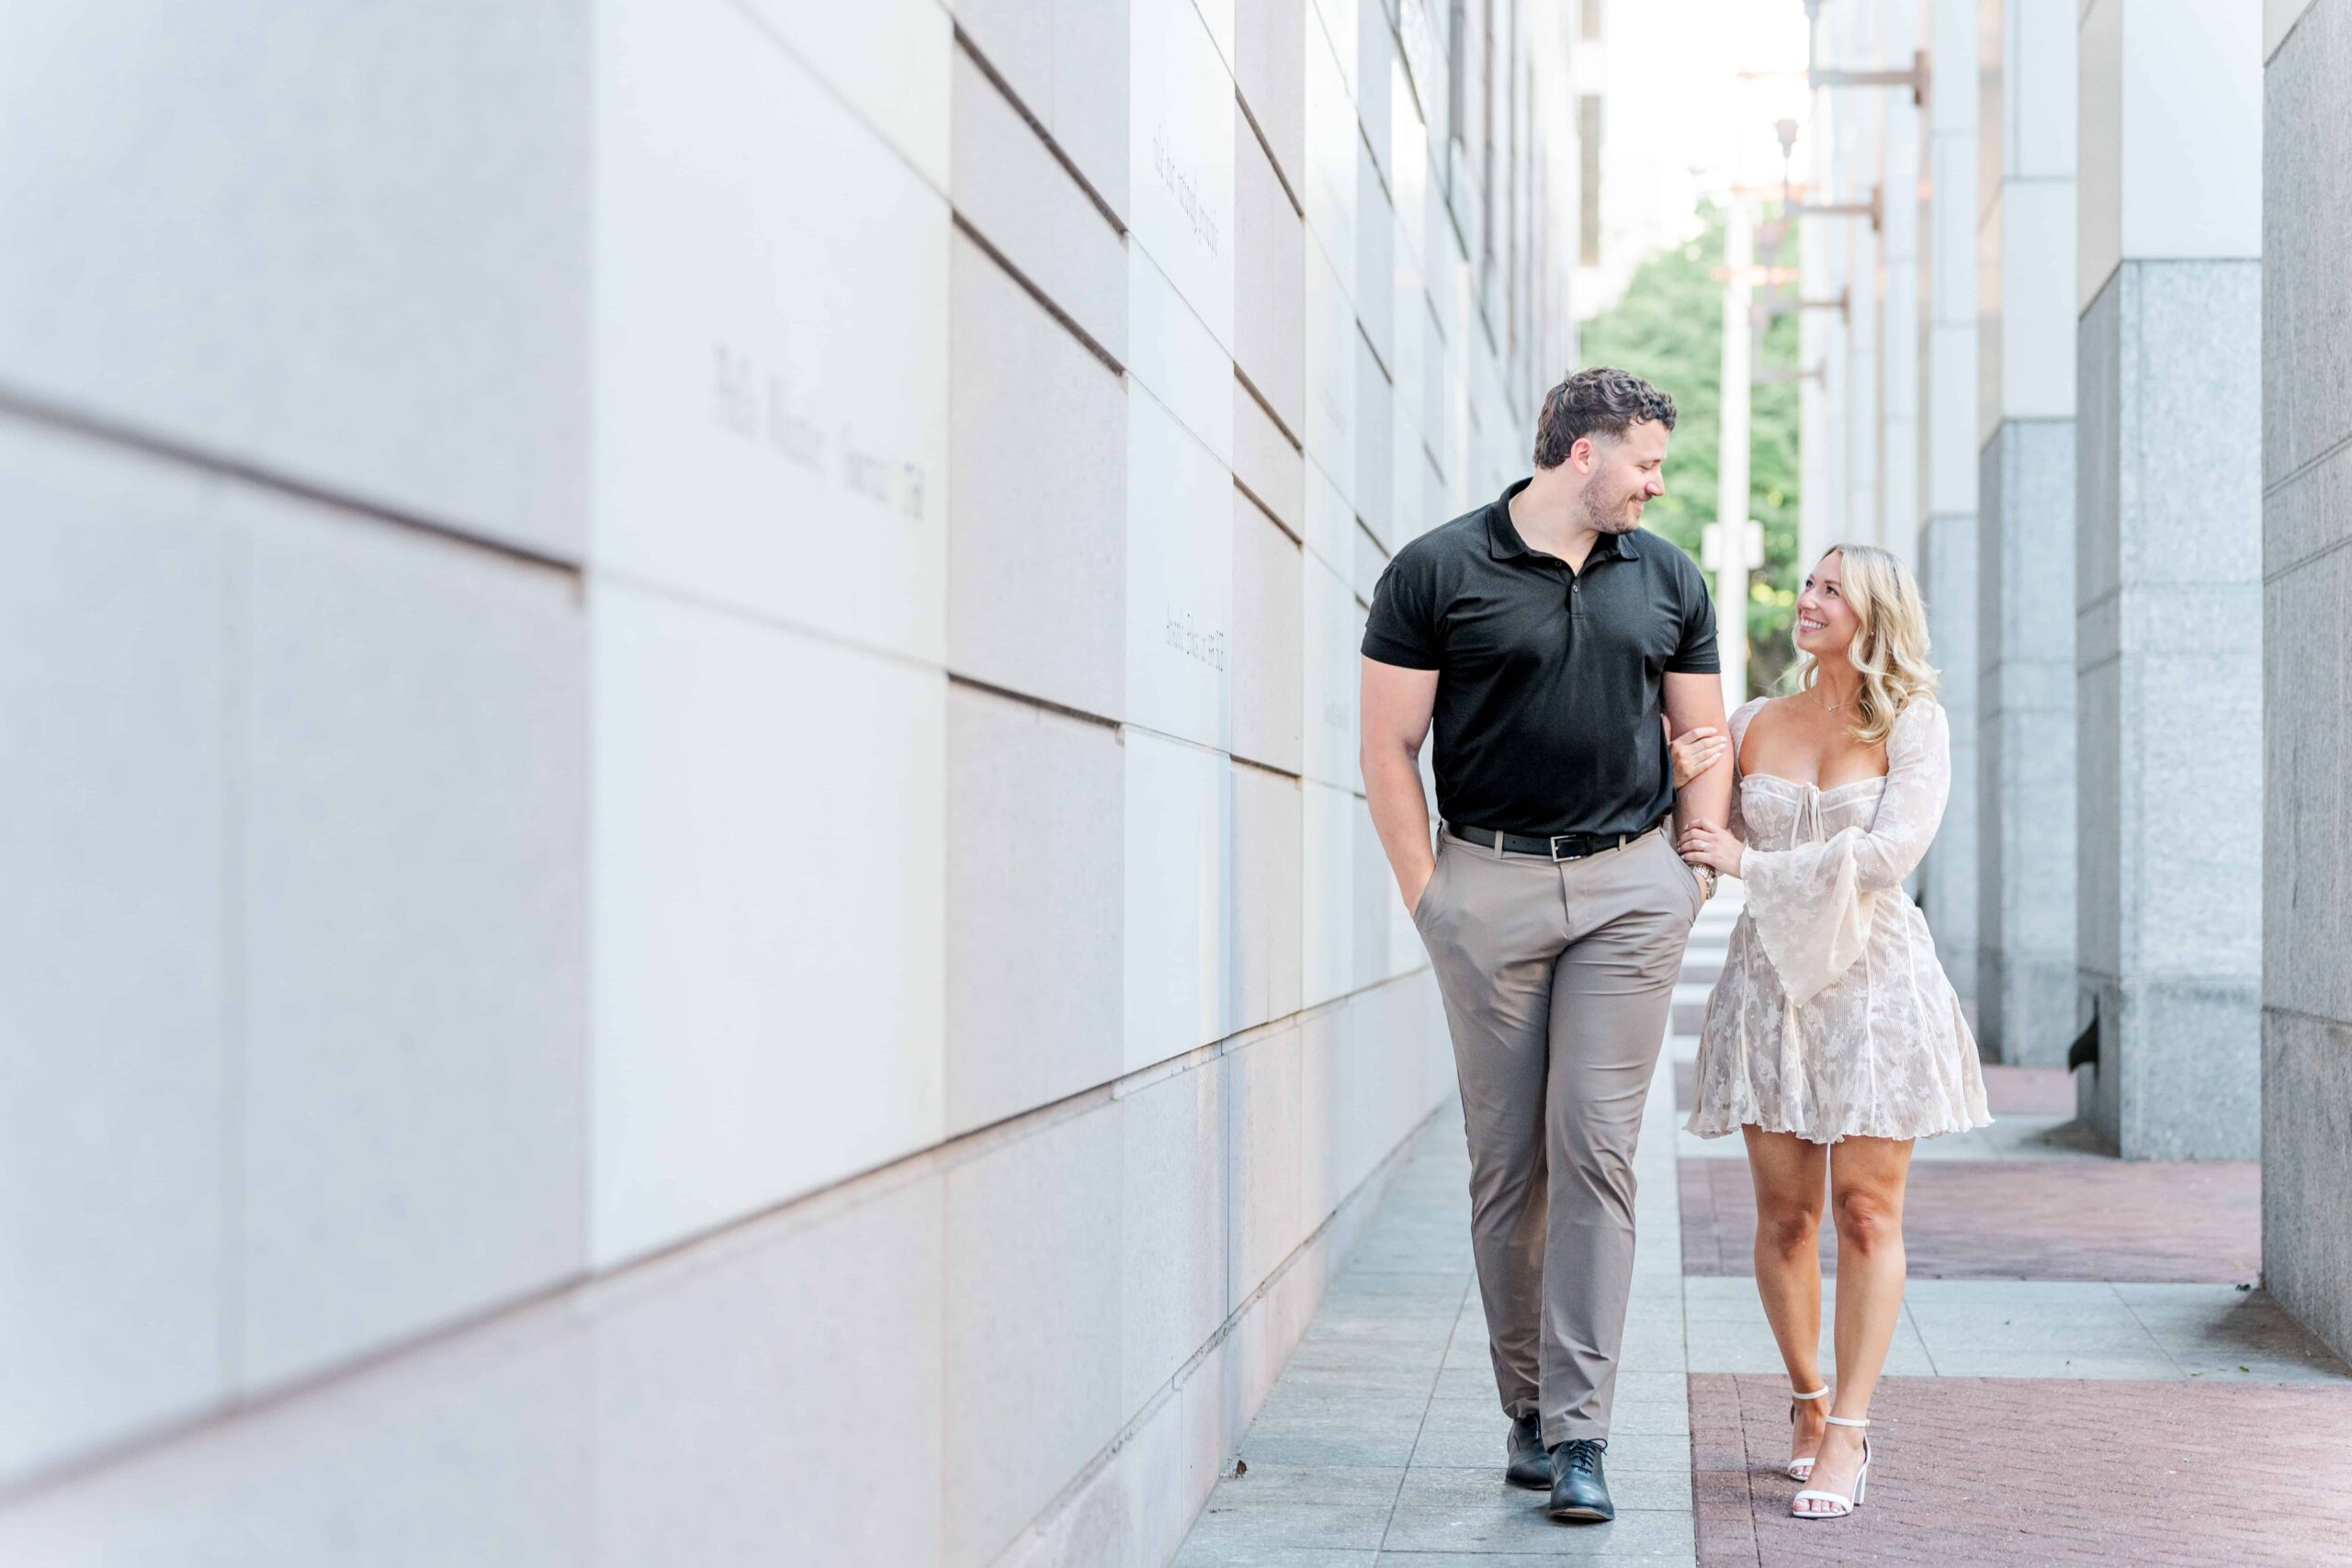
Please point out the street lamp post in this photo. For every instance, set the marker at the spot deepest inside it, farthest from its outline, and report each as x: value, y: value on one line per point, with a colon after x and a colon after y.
x: 1727, y: 540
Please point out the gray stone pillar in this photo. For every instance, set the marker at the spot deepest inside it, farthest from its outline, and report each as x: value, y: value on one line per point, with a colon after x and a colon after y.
x: 2307, y: 678
x: 2168, y: 575
x: 1948, y: 548
x: 2025, y: 588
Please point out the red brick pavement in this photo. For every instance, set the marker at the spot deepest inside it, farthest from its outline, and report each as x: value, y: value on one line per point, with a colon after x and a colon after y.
x: 2010, y: 1092
x: 2028, y: 1471
x: 2030, y: 1091
x: 2023, y: 1220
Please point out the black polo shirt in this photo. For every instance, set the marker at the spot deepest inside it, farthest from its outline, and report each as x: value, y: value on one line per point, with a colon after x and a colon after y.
x: 1550, y: 682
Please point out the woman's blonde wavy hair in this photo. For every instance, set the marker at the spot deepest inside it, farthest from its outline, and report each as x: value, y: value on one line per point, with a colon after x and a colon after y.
x: 1890, y: 648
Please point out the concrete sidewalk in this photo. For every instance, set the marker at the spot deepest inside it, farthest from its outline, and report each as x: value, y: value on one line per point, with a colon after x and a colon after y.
x: 1383, y: 1441
x: 2086, y: 1370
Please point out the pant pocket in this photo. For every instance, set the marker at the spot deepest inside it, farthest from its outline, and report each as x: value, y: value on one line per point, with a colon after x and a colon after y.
x: 1427, y: 901
x: 1694, y: 898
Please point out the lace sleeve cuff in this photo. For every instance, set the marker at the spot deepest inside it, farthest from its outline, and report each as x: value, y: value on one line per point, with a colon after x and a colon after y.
x: 1810, y: 911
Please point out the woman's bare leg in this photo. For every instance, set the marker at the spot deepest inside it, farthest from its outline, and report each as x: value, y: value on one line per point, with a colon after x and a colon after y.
x: 1788, y: 1172
x: 1866, y: 1181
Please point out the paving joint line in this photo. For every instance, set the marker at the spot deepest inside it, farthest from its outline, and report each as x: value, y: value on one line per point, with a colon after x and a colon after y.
x: 1454, y: 1330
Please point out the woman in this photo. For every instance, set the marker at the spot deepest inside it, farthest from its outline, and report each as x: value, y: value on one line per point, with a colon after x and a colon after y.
x: 1834, y: 1038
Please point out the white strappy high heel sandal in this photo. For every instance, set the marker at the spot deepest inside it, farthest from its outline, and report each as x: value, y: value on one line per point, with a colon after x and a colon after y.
x: 1800, y: 1467
x: 1843, y: 1503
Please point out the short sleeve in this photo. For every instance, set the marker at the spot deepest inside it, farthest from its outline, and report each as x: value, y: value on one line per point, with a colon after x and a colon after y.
x: 1403, y: 627
x: 1696, y: 654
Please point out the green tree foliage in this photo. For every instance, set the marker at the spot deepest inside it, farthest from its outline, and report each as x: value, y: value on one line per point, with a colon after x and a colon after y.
x: 1669, y: 330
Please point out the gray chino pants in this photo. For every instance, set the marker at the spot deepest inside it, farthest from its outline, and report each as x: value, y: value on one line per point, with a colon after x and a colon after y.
x: 1558, y: 979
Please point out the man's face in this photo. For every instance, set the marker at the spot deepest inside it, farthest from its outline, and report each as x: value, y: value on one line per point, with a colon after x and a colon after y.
x: 1625, y: 473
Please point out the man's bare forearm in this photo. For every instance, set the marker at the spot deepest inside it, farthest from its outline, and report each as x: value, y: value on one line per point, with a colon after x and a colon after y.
x: 1400, y: 814
x: 1696, y: 702
x: 1706, y: 798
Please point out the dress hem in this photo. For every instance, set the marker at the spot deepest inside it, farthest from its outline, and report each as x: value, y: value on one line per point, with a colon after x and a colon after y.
x: 1692, y: 1127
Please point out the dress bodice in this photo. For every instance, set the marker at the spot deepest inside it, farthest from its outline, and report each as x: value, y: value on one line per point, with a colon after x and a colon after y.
x: 1817, y: 861
x: 1780, y: 813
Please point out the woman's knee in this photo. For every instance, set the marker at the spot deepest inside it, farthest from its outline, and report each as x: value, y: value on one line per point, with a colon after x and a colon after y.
x: 1867, y: 1220
x: 1789, y: 1227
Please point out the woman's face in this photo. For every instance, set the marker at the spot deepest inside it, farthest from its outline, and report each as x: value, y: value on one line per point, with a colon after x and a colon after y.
x: 1826, y: 622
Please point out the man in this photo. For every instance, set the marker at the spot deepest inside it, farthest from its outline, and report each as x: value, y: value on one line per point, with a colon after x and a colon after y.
x: 1545, y: 632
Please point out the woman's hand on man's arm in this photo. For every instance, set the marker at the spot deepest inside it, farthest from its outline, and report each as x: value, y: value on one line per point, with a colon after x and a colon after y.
x: 1696, y: 751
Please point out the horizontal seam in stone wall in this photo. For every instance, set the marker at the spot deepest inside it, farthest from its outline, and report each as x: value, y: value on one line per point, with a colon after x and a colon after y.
x: 32, y: 412
x: 1379, y: 174
x: 1267, y: 147
x: 731, y: 609
x: 136, y: 1445
x: 1045, y: 300
x: 996, y: 79
x: 2146, y: 979
x: 2313, y: 558
x: 1260, y: 399
x: 1374, y: 349
x: 2302, y: 469
x: 1025, y: 698
x: 2271, y: 1009
x: 2009, y: 419
x: 1267, y: 768
x: 1258, y: 502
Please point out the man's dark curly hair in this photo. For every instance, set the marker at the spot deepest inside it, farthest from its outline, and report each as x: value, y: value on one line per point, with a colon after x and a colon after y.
x: 1602, y: 400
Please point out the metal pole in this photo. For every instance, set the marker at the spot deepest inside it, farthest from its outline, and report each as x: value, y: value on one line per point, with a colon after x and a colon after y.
x: 1731, y: 463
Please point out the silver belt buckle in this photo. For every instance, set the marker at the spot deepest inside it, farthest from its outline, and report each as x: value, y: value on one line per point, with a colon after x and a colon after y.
x: 1557, y: 855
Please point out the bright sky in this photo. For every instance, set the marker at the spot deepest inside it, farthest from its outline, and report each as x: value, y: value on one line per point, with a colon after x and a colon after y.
x: 1676, y: 104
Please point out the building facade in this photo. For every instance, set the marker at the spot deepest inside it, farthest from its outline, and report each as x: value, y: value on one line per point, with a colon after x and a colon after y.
x: 685, y: 678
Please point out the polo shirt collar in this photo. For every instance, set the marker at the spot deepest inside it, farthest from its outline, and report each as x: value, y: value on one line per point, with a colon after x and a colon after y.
x: 1503, y: 542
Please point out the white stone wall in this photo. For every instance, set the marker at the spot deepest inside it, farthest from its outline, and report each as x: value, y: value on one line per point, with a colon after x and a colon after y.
x: 2307, y: 653
x: 690, y: 883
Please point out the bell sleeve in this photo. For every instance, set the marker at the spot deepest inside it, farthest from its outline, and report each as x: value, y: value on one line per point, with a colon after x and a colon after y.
x: 1811, y: 904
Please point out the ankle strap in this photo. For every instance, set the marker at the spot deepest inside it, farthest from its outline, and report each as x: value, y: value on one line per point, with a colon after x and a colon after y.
x: 1843, y: 1421
x: 1816, y: 1393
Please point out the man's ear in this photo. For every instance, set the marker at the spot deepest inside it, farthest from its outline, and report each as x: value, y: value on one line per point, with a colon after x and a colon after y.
x: 1581, y: 454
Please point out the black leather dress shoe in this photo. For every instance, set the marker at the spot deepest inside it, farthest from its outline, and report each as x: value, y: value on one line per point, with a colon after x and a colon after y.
x: 1579, y: 1491
x: 1529, y: 1464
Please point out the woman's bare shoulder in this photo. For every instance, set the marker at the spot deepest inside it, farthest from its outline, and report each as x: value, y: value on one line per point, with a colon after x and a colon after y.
x: 1741, y: 718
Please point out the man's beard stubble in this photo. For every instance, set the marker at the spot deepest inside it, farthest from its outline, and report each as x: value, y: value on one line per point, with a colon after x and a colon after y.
x: 1602, y: 518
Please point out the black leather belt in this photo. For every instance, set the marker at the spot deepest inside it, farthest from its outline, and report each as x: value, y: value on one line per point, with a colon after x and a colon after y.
x: 1560, y: 846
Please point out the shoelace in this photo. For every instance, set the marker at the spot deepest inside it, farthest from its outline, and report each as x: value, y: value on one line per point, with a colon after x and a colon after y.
x: 1583, y: 1453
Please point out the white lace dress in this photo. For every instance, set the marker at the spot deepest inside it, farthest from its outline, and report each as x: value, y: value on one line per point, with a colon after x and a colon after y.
x: 1833, y: 1016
